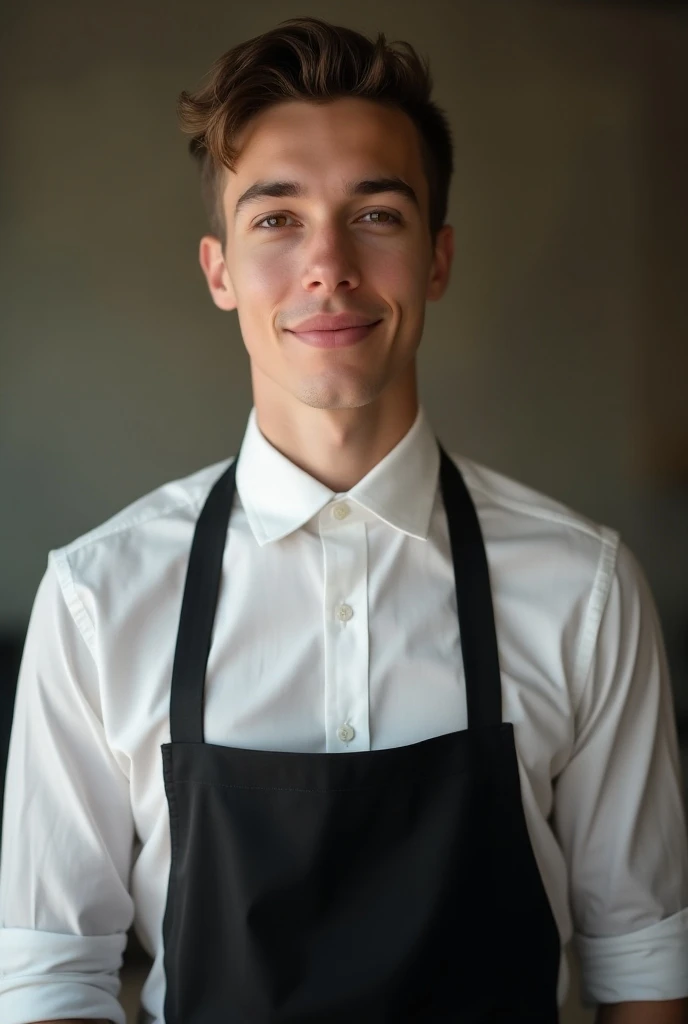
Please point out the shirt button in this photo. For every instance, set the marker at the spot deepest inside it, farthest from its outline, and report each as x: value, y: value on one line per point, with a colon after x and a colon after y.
x: 346, y: 733
x: 344, y: 612
x: 341, y: 510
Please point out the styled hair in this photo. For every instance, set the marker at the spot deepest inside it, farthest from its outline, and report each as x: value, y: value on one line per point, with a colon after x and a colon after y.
x: 310, y: 59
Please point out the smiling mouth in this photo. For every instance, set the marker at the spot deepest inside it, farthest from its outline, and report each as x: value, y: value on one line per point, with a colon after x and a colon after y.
x: 335, y: 339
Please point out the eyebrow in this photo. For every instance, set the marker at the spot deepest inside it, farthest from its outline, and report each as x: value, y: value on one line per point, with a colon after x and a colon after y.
x: 294, y: 190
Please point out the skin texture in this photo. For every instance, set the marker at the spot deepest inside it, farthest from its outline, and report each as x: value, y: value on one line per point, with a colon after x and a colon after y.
x: 334, y: 412
x: 337, y: 413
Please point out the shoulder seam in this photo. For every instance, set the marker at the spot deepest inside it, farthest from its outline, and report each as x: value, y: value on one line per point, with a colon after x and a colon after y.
x: 599, y: 594
x: 72, y: 600
x: 572, y: 519
x: 102, y: 532
x: 63, y: 569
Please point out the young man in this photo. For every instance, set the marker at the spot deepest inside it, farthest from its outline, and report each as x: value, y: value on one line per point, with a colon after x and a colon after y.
x: 349, y: 728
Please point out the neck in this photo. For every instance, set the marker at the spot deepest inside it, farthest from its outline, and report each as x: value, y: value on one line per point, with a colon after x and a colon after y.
x: 337, y: 447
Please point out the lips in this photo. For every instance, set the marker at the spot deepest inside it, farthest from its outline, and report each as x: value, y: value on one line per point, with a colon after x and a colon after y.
x: 337, y: 338
x: 332, y: 322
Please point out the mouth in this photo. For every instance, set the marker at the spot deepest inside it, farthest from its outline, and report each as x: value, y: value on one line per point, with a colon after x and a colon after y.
x: 335, y: 339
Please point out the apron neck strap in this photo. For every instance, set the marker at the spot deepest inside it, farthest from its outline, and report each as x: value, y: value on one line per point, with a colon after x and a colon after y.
x: 471, y: 577
x: 473, y: 600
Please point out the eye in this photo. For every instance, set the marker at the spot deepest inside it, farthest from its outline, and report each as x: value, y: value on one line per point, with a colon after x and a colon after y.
x: 393, y: 216
x: 394, y: 219
x: 270, y: 216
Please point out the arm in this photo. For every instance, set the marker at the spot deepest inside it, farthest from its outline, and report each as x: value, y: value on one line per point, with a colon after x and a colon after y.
x: 672, y: 1011
x: 67, y: 837
x: 618, y: 809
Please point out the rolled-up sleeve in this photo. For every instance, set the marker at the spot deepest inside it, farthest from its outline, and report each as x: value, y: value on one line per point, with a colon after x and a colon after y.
x: 67, y: 834
x: 619, y: 806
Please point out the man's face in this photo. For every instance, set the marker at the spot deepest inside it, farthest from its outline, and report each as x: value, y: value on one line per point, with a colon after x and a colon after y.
x: 289, y: 258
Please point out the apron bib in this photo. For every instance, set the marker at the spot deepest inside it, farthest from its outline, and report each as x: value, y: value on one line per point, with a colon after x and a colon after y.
x: 373, y: 886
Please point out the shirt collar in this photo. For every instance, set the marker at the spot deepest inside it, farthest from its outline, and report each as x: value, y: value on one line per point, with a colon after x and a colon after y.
x: 279, y: 497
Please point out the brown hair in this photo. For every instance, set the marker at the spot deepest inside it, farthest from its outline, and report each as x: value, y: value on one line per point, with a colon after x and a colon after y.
x: 309, y: 59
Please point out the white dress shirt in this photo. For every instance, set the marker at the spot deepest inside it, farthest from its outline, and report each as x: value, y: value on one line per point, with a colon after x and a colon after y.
x: 336, y: 629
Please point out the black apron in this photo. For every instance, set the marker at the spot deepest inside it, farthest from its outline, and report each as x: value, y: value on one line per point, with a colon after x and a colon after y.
x: 373, y: 886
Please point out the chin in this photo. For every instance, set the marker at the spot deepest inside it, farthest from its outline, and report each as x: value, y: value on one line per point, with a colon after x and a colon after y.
x: 326, y: 395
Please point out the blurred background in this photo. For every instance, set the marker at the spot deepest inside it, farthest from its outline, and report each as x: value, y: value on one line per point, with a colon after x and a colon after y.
x: 559, y: 355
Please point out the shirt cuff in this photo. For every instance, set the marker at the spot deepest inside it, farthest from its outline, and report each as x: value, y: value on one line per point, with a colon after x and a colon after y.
x: 649, y: 964
x: 46, y: 976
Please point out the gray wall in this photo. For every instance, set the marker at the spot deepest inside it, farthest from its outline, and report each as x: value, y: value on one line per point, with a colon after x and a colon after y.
x: 117, y: 373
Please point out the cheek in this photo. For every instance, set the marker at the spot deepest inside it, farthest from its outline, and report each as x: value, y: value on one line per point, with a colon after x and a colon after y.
x: 262, y: 280
x: 398, y: 270
x: 399, y: 280
x: 264, y: 274
x: 401, y: 285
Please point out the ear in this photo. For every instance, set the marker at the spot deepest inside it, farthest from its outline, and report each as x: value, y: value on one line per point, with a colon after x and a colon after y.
x: 441, y: 263
x: 212, y: 260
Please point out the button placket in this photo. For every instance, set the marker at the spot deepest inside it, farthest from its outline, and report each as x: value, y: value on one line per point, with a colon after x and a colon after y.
x: 346, y: 732
x: 345, y: 597
x: 344, y: 612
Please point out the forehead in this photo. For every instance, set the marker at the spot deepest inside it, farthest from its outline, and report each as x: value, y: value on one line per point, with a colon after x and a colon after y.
x: 328, y: 142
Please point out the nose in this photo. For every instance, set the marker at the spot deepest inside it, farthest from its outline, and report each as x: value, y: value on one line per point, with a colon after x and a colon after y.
x: 330, y: 262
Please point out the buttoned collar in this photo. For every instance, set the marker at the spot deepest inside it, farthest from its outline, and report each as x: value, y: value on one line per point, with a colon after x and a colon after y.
x: 279, y: 497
